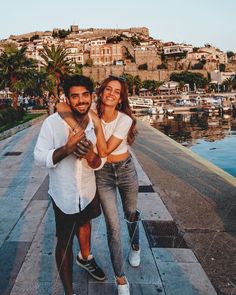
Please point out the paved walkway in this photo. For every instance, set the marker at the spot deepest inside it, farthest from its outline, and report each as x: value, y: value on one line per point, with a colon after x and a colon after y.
x: 201, y: 199
x: 27, y: 239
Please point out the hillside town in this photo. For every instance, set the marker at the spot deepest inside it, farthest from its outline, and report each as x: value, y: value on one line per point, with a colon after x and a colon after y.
x: 133, y: 51
x: 152, y: 68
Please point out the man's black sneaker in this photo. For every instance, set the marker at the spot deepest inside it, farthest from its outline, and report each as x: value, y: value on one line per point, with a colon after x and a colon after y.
x: 91, y: 266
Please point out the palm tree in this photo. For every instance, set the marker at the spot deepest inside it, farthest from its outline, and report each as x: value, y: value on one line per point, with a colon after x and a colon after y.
x: 137, y: 84
x: 134, y: 83
x: 234, y: 83
x: 15, y: 70
x: 151, y: 85
x: 56, y: 64
x: 227, y: 84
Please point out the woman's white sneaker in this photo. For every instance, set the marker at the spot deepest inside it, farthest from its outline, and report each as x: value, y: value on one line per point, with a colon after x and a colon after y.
x: 134, y: 257
x: 123, y: 289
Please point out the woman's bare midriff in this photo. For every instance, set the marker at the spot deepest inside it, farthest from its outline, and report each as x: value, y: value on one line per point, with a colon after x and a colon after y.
x: 117, y: 158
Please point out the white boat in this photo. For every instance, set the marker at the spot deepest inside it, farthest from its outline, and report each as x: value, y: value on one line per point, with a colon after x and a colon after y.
x: 152, y: 111
x: 160, y: 110
x: 156, y: 110
x: 169, y: 110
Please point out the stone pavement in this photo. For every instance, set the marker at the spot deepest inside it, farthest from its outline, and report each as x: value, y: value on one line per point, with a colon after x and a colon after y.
x: 200, y: 197
x: 27, y: 236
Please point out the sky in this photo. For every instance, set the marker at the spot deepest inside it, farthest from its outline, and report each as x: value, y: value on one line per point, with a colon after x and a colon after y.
x: 195, y: 22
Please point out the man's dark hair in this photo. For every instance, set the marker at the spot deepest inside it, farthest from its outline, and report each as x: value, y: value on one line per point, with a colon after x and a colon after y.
x: 77, y: 80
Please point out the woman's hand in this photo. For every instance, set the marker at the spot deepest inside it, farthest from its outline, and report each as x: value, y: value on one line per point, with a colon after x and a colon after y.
x: 95, y: 118
x: 85, y: 150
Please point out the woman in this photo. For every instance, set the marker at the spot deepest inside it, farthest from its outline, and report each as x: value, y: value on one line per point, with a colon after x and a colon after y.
x: 116, y: 123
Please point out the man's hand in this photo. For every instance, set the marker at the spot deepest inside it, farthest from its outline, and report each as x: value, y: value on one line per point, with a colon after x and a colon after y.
x: 67, y: 149
x: 85, y: 150
x: 73, y: 140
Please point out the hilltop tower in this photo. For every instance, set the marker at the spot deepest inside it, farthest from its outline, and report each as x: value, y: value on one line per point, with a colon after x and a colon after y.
x: 74, y: 28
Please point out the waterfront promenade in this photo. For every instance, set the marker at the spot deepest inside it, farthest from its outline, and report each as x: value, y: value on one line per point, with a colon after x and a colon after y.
x: 200, y: 197
x: 185, y: 206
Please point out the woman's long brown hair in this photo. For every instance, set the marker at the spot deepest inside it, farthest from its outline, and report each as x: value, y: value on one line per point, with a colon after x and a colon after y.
x: 123, y: 107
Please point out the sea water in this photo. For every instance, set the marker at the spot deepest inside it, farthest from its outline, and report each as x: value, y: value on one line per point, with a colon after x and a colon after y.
x: 210, y: 136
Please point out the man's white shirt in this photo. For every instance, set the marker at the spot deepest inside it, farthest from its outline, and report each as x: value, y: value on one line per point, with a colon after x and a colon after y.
x: 71, y: 181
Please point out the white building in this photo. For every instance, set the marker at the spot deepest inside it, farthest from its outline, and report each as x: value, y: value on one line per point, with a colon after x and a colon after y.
x: 94, y: 42
x: 145, y: 47
x: 218, y: 77
x: 169, y: 87
x: 75, y: 54
x: 177, y: 48
x: 210, y: 54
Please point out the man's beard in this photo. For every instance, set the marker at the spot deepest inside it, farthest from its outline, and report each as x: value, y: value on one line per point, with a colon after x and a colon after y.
x: 76, y: 113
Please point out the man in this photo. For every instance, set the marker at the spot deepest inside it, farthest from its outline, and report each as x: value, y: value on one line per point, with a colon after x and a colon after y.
x: 72, y: 184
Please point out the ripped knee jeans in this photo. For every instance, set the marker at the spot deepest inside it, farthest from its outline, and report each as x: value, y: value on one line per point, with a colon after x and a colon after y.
x: 120, y: 176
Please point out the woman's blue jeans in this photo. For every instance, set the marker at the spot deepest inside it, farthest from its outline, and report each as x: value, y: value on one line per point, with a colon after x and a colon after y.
x: 122, y: 176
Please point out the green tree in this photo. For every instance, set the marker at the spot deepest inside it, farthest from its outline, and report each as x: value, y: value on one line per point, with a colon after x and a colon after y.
x: 55, y: 34
x: 230, y: 54
x: 134, y: 83
x: 229, y: 84
x: 143, y: 67
x: 56, y: 64
x: 63, y: 33
x: 114, y: 39
x: 234, y: 83
x: 34, y: 37
x: 190, y: 78
x: 151, y: 85
x: 15, y: 70
x: 137, y: 84
x: 135, y: 41
x: 198, y: 66
x: 36, y: 84
x: 78, y: 69
x: 222, y: 67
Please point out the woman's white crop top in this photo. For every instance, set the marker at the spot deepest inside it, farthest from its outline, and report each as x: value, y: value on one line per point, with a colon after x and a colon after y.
x: 118, y: 128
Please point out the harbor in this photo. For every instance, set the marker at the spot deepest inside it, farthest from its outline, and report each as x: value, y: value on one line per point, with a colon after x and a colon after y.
x: 215, y: 103
x: 196, y: 123
x: 209, y: 135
